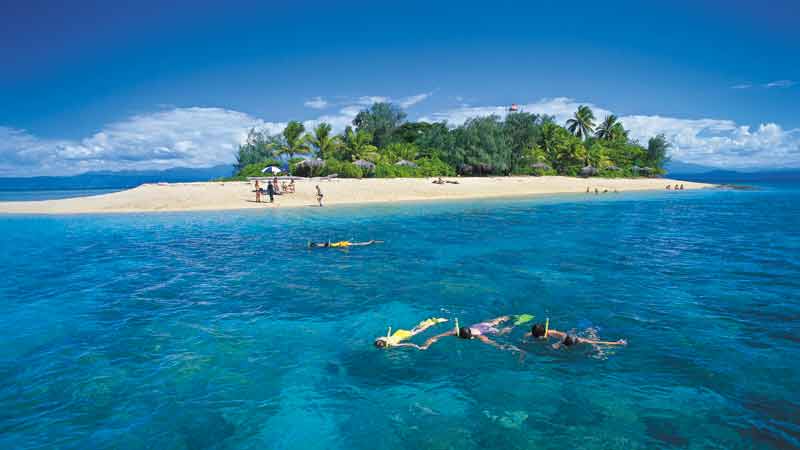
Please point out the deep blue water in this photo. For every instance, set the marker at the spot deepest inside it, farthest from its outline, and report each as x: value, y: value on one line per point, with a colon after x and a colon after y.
x: 220, y: 330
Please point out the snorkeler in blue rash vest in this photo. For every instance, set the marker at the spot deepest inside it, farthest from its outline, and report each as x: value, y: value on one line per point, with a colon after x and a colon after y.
x: 478, y: 331
x: 543, y: 331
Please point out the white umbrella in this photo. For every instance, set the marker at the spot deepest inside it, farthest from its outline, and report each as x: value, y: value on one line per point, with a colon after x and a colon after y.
x: 271, y: 169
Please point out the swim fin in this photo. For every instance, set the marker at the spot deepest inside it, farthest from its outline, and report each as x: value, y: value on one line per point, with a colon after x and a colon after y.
x: 522, y: 319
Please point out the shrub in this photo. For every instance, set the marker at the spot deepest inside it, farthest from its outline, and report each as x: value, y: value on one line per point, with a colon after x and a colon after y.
x: 350, y: 170
x: 434, y: 167
x: 383, y: 170
x: 331, y: 166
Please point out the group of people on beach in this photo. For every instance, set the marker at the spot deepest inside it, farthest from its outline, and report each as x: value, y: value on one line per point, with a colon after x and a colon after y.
x: 482, y: 331
x: 597, y: 190
x: 678, y: 187
x: 272, y: 189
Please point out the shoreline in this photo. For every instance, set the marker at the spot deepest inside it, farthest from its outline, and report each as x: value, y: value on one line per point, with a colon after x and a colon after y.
x: 239, y: 195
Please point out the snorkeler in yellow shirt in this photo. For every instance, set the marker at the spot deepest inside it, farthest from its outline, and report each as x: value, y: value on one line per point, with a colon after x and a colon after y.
x: 396, y: 339
x: 342, y: 244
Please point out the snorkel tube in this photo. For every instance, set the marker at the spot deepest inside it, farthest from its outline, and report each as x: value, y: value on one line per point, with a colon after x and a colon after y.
x: 388, y: 337
x: 456, y: 328
x: 546, y: 327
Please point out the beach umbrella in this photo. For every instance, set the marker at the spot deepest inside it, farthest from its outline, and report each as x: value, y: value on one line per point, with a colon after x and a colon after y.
x: 271, y: 169
x: 364, y: 164
x: 588, y: 171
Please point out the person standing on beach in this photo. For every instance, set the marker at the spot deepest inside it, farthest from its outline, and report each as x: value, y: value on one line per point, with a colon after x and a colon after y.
x: 258, y: 192
x: 319, y: 196
x: 271, y: 192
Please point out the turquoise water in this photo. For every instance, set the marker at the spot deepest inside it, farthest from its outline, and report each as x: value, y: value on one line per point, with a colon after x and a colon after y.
x: 219, y: 330
x: 54, y: 194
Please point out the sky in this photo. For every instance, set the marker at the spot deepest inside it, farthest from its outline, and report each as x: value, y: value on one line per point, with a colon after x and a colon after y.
x: 97, y: 85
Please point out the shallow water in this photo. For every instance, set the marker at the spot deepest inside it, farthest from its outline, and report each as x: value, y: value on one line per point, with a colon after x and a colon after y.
x: 54, y: 194
x: 220, y: 330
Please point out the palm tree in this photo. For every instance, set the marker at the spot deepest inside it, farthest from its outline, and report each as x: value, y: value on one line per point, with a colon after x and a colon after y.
x: 295, y: 141
x: 358, y: 145
x: 322, y: 140
x: 583, y: 123
x: 605, y: 130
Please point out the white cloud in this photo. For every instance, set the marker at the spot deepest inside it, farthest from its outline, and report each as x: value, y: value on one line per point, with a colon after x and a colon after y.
x: 368, y: 100
x: 413, y: 100
x: 742, y: 86
x: 180, y: 137
x: 316, y: 103
x: 780, y: 84
x: 721, y: 143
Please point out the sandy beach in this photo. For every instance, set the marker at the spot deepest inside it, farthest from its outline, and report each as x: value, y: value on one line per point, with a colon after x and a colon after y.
x: 240, y: 195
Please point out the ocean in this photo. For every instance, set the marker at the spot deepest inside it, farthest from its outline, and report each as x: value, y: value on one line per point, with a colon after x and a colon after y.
x: 222, y: 330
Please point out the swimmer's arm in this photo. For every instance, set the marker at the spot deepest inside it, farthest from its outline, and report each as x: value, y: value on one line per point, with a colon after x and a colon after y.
x: 408, y: 344
x: 556, y: 334
x: 494, y: 344
x: 433, y: 340
x: 594, y: 342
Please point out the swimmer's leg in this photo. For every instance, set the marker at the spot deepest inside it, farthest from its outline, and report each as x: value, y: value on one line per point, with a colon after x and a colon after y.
x: 427, y: 323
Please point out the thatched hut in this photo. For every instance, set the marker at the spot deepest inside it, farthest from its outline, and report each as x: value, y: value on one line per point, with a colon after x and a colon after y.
x: 589, y: 171
x: 406, y: 163
x: 365, y: 165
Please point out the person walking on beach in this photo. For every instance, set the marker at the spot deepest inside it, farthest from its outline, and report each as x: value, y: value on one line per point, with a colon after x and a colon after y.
x: 319, y: 196
x: 271, y: 192
x: 543, y: 331
x: 275, y: 187
x: 258, y: 192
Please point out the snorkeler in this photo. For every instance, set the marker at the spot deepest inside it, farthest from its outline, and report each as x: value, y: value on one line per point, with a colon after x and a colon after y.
x: 341, y: 244
x: 543, y: 331
x: 480, y: 331
x: 396, y: 339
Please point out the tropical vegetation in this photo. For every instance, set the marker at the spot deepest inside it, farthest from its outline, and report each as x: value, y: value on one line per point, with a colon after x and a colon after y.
x: 382, y: 143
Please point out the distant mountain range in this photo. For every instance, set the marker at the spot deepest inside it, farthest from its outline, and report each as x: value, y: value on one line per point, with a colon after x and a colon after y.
x: 696, y: 172
x: 115, y: 180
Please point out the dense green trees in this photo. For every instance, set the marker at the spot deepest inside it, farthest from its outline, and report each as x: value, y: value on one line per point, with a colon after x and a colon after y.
x: 521, y: 143
x: 380, y: 120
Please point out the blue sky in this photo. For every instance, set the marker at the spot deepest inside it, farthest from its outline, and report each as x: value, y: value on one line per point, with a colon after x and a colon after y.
x: 98, y: 85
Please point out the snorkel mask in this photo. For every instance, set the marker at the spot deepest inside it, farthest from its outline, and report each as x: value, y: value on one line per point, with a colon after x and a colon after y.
x: 383, y: 342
